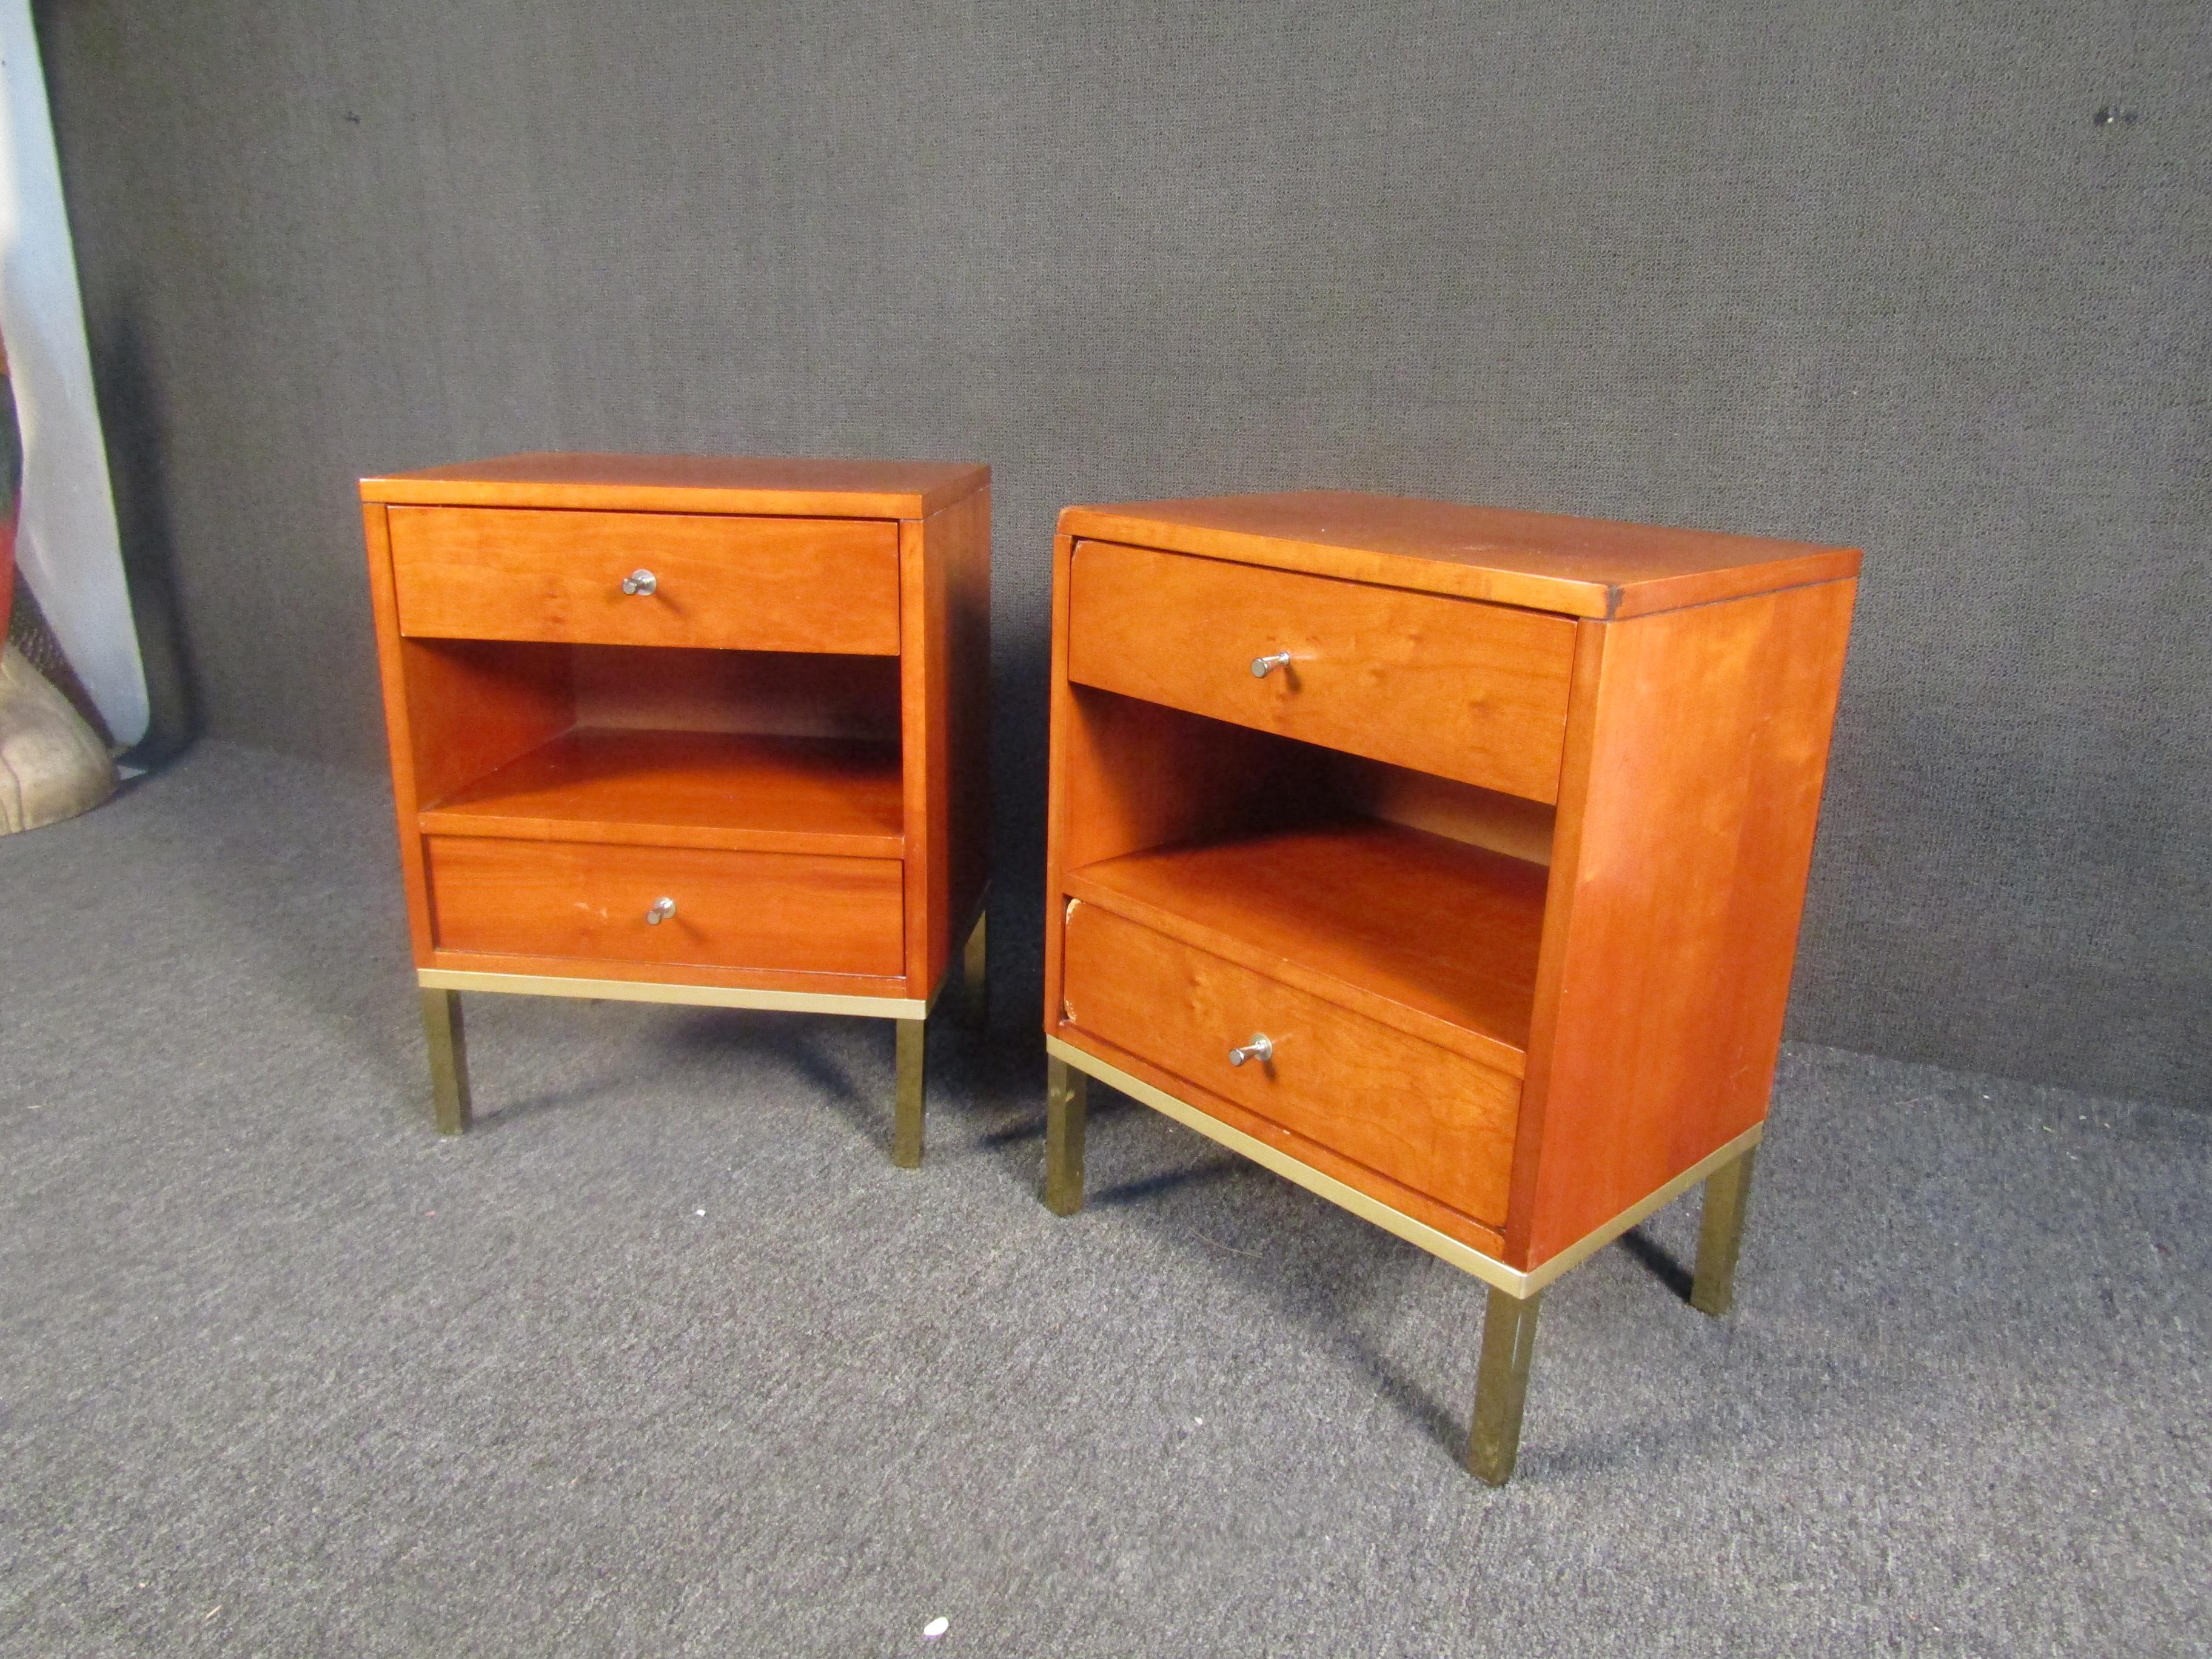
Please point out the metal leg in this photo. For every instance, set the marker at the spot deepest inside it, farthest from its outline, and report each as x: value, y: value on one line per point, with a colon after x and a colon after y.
x: 1720, y: 1234
x: 906, y: 1129
x: 449, y: 1059
x: 1501, y: 1389
x: 975, y: 982
x: 1066, y: 1102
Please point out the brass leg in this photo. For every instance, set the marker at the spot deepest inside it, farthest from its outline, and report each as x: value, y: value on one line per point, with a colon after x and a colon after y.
x: 1067, y: 1101
x: 975, y: 982
x: 449, y: 1059
x: 1501, y: 1389
x: 1720, y: 1233
x: 906, y: 1130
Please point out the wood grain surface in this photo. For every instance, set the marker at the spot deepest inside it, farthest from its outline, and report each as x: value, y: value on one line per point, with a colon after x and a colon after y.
x: 1546, y: 561
x: 1694, y: 770
x: 790, y: 486
x: 585, y: 901
x: 792, y: 694
x: 734, y: 584
x: 1430, y: 935
x: 1469, y: 691
x: 710, y: 789
x: 1437, y: 1122
x: 945, y: 669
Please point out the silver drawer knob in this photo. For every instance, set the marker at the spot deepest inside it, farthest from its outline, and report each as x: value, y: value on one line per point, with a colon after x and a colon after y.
x: 1262, y: 1047
x: 640, y: 581
x: 1263, y: 666
x: 662, y: 909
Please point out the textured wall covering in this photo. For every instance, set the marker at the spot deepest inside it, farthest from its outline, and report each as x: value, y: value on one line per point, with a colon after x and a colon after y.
x: 1866, y: 274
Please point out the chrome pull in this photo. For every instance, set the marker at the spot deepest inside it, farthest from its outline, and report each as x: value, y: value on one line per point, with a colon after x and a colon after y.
x: 1262, y: 1047
x: 640, y: 581
x: 1263, y: 666
x: 662, y: 909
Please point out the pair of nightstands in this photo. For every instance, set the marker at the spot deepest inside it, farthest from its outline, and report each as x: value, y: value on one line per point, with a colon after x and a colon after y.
x: 1445, y: 860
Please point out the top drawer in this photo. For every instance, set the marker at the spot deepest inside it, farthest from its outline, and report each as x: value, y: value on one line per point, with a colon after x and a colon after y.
x: 734, y: 584
x: 1466, y: 690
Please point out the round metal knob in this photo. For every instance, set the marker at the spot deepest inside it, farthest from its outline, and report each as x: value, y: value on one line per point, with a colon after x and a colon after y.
x: 640, y: 581
x: 1263, y: 666
x: 662, y: 909
x: 1262, y: 1047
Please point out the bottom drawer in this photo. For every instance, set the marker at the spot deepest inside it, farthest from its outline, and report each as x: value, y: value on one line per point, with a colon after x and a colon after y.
x: 794, y: 912
x: 1432, y: 1120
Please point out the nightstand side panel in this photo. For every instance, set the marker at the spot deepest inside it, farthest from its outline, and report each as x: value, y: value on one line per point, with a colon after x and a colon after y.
x: 944, y: 583
x: 1697, y: 750
x: 384, y: 606
x: 961, y: 534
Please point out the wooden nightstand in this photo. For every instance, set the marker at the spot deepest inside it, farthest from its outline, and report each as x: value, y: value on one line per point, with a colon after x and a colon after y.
x: 1446, y: 860
x: 681, y: 729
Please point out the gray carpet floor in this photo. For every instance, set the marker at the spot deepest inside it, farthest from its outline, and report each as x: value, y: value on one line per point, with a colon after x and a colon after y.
x: 665, y: 1358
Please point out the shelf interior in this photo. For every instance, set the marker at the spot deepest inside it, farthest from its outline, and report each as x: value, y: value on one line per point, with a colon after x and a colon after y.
x: 747, y: 750
x: 745, y: 791
x: 1374, y: 914
x: 688, y: 791
x: 1414, y: 899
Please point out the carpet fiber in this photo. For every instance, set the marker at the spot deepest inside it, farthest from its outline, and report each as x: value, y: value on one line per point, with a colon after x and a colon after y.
x: 665, y: 1358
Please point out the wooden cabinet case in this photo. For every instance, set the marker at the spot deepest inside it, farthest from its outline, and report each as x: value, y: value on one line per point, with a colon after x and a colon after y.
x: 1445, y: 860
x: 684, y: 729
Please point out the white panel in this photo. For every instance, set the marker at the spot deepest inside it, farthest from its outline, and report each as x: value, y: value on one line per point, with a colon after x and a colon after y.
x: 66, y: 541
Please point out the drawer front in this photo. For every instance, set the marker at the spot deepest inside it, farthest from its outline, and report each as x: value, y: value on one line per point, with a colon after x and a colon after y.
x: 799, y: 913
x: 1432, y: 1120
x: 1472, y: 691
x: 733, y: 584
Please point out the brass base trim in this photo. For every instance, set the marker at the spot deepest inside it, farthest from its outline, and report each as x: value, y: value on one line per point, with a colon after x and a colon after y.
x: 1465, y: 1257
x: 1596, y: 1240
x: 704, y: 996
x: 1441, y: 1245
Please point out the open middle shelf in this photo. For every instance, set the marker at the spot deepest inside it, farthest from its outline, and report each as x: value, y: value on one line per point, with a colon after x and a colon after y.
x: 1431, y: 935
x: 738, y: 790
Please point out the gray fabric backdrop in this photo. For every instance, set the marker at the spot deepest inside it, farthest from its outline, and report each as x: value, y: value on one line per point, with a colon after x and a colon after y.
x: 1873, y: 274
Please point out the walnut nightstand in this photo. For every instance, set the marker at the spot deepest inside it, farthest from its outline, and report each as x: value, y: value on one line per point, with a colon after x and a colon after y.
x: 1448, y: 861
x: 681, y: 729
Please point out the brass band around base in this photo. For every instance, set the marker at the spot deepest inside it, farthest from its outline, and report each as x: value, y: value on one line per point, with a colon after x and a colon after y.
x: 448, y: 1054
x: 1441, y: 1245
x: 703, y: 996
x: 1509, y: 1324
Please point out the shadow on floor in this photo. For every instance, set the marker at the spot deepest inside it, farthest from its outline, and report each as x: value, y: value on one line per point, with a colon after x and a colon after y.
x: 1658, y: 1261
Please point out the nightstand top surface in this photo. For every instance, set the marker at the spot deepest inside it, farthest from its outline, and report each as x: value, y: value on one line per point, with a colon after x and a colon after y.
x: 788, y: 486
x: 1542, y: 560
